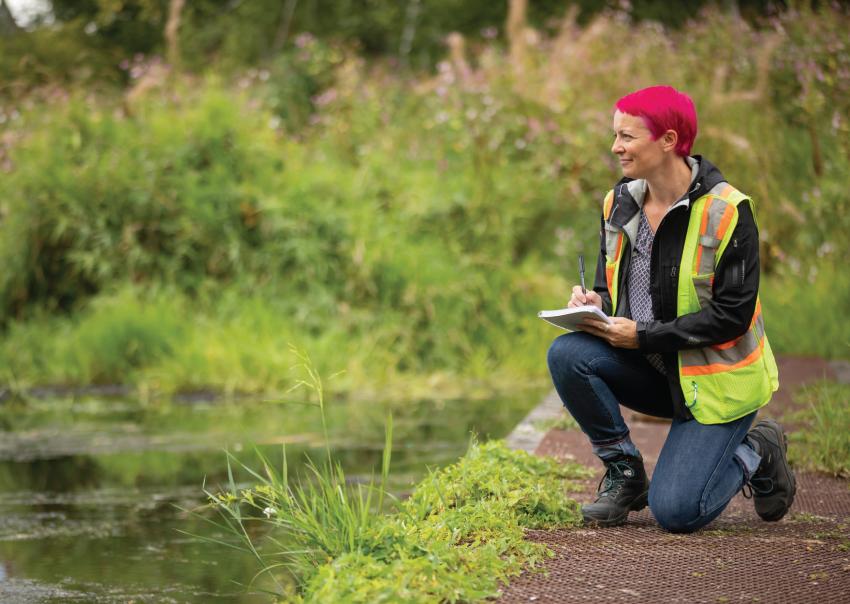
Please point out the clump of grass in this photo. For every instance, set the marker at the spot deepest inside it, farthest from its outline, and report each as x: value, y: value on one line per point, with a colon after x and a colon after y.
x: 823, y: 443
x: 457, y: 537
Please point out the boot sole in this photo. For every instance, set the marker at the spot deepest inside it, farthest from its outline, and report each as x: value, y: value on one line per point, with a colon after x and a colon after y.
x: 640, y: 502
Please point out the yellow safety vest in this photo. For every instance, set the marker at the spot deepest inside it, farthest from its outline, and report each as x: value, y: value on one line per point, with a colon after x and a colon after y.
x: 726, y: 381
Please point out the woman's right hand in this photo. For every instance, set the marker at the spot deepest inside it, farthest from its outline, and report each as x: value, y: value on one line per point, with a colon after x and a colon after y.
x: 580, y: 299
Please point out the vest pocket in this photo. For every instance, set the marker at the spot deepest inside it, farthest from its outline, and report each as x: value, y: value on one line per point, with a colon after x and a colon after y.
x: 702, y: 288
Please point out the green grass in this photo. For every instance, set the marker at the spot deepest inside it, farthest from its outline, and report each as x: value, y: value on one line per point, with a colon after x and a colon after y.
x: 823, y: 442
x: 804, y: 314
x: 456, y: 538
x: 460, y: 534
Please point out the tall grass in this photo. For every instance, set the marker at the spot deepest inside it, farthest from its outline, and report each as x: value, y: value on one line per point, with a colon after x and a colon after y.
x: 823, y: 441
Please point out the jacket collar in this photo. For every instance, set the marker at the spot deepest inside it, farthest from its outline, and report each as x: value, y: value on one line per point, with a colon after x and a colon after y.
x: 629, y: 193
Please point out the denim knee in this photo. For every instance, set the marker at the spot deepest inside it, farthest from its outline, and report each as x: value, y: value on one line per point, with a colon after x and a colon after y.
x: 566, y: 352
x: 675, y: 513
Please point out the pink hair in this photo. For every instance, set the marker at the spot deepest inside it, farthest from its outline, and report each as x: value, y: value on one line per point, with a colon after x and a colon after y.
x: 664, y: 108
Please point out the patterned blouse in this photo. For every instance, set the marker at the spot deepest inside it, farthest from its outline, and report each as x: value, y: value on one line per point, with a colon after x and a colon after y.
x: 640, y: 300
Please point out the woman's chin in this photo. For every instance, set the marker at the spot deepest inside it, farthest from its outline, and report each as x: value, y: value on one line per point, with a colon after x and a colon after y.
x: 629, y: 170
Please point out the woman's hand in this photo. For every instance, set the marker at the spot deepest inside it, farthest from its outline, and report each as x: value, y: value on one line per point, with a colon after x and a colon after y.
x: 580, y: 299
x: 621, y: 334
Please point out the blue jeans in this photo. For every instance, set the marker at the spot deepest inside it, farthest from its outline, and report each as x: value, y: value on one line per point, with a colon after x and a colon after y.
x: 700, y: 468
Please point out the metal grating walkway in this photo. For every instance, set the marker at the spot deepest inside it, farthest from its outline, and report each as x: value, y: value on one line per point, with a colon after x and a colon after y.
x: 737, y: 558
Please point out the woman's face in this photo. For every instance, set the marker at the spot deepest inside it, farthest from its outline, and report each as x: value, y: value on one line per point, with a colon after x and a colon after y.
x: 639, y: 155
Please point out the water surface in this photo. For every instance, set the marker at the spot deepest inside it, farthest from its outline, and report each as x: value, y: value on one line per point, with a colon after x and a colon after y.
x: 93, y: 492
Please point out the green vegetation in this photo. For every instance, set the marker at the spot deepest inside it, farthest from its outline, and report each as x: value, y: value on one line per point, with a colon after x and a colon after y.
x: 823, y: 441
x: 403, y: 230
x: 176, y: 211
x: 457, y: 537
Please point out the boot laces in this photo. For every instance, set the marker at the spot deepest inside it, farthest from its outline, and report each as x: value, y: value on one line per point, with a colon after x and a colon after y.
x: 757, y: 486
x: 613, y: 480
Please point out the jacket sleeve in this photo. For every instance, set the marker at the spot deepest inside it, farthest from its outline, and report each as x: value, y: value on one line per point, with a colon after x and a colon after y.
x: 600, y: 284
x: 730, y: 311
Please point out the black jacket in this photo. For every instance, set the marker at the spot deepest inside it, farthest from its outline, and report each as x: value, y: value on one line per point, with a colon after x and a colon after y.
x: 736, y: 281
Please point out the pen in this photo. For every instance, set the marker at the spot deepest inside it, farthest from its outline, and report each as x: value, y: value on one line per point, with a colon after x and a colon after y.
x: 581, y: 272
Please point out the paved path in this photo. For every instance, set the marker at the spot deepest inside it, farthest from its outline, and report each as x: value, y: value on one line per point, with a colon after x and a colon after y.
x: 737, y: 558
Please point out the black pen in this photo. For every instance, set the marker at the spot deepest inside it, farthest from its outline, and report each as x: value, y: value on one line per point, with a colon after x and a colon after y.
x: 581, y: 272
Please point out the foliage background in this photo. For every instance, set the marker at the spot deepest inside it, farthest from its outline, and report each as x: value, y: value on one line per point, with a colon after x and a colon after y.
x: 397, y: 200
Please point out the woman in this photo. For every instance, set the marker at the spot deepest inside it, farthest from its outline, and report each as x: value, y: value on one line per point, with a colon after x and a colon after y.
x: 678, y: 272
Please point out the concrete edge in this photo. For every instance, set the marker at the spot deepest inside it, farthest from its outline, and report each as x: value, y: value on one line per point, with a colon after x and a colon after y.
x: 527, y: 435
x: 841, y: 369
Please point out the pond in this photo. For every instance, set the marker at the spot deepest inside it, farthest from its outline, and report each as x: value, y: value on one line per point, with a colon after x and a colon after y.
x: 93, y: 492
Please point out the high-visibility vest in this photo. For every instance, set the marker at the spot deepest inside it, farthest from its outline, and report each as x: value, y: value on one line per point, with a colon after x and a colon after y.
x: 726, y: 381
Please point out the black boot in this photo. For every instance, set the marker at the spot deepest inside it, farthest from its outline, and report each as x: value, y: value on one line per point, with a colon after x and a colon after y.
x: 773, y: 484
x: 623, y: 489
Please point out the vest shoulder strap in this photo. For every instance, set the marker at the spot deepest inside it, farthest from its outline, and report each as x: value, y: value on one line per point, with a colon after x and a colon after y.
x: 717, y: 215
x: 608, y: 204
x: 727, y: 193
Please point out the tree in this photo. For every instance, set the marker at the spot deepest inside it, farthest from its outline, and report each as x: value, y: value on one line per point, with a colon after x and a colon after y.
x: 8, y: 25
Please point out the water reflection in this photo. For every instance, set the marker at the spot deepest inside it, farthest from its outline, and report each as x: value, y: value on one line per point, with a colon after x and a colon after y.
x: 90, y: 491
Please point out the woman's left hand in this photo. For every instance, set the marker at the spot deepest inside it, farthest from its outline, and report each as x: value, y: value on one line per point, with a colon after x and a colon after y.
x: 622, y: 333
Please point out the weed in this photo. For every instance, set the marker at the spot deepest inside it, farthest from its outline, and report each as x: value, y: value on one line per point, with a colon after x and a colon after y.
x: 823, y: 442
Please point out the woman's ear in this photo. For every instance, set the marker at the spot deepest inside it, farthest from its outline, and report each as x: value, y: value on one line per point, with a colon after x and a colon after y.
x: 669, y: 140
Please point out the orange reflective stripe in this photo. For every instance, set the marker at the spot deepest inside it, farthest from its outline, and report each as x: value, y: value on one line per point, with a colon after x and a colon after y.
x: 722, y: 367
x: 703, y: 227
x: 724, y: 222
x: 609, y: 277
x: 726, y: 190
x: 619, y: 247
x: 729, y: 344
x: 734, y: 342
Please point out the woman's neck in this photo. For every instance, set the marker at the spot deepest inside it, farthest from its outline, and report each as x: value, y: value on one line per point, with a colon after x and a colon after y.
x: 669, y: 183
